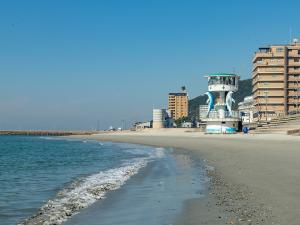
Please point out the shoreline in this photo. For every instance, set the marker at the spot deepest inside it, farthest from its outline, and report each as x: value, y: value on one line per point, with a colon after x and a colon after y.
x: 163, y: 185
x: 255, y: 181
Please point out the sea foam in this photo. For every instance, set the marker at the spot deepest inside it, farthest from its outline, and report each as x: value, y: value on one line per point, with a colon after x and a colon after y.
x: 83, y: 193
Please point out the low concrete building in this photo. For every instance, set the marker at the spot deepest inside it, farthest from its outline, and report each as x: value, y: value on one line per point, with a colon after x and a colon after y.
x: 141, y: 125
x: 186, y: 125
x: 247, y: 110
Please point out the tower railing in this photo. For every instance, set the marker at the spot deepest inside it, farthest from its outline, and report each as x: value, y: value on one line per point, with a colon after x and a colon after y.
x: 216, y: 115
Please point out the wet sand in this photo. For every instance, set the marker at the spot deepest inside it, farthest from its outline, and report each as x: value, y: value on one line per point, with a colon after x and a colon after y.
x: 153, y: 196
x: 256, y: 178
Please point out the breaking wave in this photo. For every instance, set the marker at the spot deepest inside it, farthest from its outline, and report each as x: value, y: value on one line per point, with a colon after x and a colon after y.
x: 82, y: 193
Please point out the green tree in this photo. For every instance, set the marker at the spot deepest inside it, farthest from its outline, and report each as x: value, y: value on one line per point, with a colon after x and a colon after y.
x: 179, y: 121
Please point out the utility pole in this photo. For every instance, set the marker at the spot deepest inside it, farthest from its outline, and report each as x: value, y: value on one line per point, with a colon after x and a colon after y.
x: 249, y: 116
x: 266, y: 97
x: 297, y: 110
x: 98, y: 125
x: 259, y: 101
x: 123, y: 122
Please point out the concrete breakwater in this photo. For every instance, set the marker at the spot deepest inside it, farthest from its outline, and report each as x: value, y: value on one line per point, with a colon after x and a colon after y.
x: 45, y: 132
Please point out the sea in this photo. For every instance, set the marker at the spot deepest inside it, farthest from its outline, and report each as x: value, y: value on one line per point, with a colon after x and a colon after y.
x: 52, y: 180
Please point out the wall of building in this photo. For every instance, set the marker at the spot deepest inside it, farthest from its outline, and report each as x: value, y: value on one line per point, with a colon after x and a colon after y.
x: 247, y: 110
x: 178, y: 105
x: 276, y: 79
x: 158, y: 118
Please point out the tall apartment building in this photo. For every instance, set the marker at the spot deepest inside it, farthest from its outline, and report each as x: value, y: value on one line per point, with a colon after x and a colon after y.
x: 178, y: 104
x: 276, y: 78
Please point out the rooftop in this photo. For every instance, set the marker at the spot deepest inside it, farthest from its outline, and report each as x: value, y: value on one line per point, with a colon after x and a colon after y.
x: 178, y: 94
x: 294, y: 42
x: 222, y: 75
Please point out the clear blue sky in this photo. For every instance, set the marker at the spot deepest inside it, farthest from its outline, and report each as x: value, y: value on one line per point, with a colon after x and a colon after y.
x: 67, y: 64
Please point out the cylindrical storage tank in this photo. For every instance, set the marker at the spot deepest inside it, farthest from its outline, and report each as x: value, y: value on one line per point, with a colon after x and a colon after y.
x: 158, y: 118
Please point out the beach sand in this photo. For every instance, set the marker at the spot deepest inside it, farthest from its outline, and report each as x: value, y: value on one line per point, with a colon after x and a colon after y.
x: 255, y: 180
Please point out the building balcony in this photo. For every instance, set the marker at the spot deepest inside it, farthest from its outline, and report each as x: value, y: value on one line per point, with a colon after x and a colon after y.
x: 294, y: 78
x: 294, y: 92
x: 293, y: 71
x: 293, y: 85
x: 294, y: 101
x: 266, y: 85
x: 267, y: 64
x: 216, y: 116
x: 277, y: 108
x: 267, y: 55
x: 271, y: 93
x: 269, y: 100
x: 267, y: 78
x: 222, y: 87
x: 260, y: 71
x: 294, y: 54
x: 292, y: 63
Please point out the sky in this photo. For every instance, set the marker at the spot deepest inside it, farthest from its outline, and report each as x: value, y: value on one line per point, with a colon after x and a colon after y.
x: 68, y: 64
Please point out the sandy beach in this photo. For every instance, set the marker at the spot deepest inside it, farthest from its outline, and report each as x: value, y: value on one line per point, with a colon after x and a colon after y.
x: 255, y: 179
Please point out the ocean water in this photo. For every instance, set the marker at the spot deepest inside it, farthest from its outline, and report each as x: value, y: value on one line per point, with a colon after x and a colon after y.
x: 154, y: 196
x: 67, y: 181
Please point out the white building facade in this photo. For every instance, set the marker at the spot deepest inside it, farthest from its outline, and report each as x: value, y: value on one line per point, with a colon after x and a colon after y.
x: 220, y: 117
x: 247, y: 110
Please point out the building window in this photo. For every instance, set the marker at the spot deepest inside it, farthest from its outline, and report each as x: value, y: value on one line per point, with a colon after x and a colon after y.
x: 296, y: 60
x: 279, y: 49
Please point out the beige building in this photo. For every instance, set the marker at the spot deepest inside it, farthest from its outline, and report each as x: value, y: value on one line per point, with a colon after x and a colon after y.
x: 276, y: 78
x: 178, y: 104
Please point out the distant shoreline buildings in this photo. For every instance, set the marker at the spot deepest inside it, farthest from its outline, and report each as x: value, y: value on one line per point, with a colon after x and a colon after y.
x: 178, y: 104
x: 275, y: 93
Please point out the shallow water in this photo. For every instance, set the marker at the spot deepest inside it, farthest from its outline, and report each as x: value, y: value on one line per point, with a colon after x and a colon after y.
x: 34, y: 170
x: 61, y: 180
x: 152, y: 197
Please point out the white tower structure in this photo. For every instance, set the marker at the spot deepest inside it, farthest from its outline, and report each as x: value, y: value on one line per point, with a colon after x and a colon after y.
x: 159, y: 118
x: 220, y: 117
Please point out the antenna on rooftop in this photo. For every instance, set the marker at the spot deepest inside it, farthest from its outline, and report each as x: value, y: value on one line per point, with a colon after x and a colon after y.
x: 295, y: 41
x: 290, y: 34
